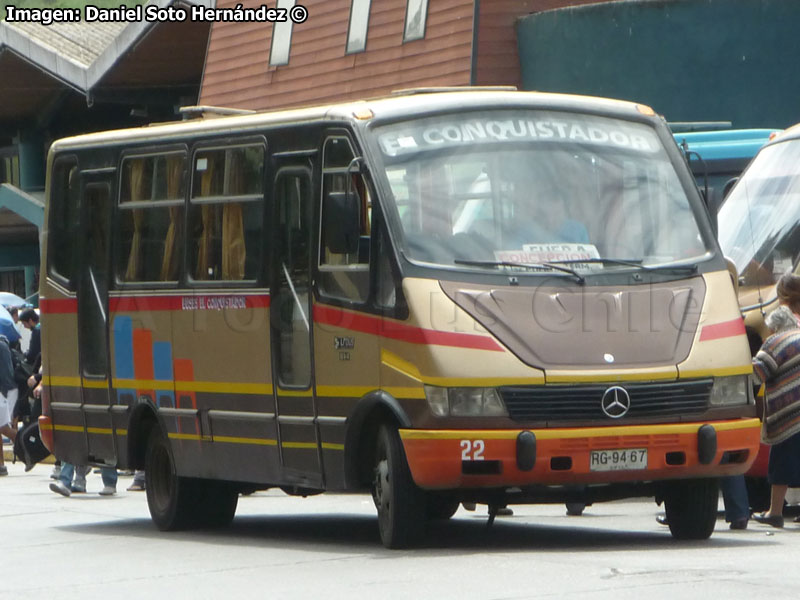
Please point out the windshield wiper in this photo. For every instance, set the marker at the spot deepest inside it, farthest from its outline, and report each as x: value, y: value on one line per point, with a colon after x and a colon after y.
x: 690, y: 268
x: 533, y: 266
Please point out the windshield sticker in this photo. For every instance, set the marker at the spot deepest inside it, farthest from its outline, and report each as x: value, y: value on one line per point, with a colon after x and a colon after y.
x: 606, y: 132
x: 533, y: 254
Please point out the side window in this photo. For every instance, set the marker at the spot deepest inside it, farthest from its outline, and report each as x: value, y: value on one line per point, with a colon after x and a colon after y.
x: 64, y: 217
x: 290, y: 309
x: 344, y: 271
x: 93, y: 278
x: 226, y: 213
x: 386, y: 293
x: 151, y: 205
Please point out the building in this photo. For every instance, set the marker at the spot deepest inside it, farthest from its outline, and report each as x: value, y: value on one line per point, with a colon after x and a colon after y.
x: 70, y: 78
x: 348, y: 49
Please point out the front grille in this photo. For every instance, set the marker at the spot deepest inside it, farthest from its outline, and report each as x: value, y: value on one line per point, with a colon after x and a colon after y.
x: 582, y: 402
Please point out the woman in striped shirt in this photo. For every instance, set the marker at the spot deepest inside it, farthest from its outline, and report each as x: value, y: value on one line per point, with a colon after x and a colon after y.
x: 777, y: 365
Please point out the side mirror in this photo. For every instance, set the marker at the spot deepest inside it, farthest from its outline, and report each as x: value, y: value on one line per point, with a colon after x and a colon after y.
x: 340, y: 222
x: 729, y: 186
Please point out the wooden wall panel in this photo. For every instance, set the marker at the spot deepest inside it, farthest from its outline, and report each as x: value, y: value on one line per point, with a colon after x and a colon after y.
x: 238, y: 73
x: 497, y: 60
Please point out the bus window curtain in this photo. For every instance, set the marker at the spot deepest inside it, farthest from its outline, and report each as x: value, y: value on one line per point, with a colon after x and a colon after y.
x: 234, y: 252
x: 207, y: 218
x: 169, y: 263
x: 133, y: 270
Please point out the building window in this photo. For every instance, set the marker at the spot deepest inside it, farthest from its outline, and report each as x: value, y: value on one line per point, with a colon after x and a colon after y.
x: 357, y: 31
x: 416, y: 16
x: 281, y: 37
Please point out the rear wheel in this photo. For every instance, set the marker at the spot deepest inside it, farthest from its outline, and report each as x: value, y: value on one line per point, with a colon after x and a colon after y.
x: 215, y: 504
x: 400, y: 503
x: 169, y: 497
x: 691, y: 507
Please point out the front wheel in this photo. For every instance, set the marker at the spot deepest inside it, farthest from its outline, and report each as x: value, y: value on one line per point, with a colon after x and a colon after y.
x: 400, y: 503
x: 691, y: 507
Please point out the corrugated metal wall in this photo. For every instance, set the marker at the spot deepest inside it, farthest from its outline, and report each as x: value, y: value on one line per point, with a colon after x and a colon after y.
x: 692, y: 60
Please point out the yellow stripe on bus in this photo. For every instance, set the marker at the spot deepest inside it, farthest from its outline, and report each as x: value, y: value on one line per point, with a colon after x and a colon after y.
x: 95, y: 384
x: 240, y: 440
x: 59, y: 381
x: 719, y: 372
x: 255, y: 441
x: 589, y: 432
x: 340, y: 391
x: 411, y: 371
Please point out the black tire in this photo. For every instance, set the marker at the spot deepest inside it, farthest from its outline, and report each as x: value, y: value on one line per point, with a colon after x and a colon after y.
x: 215, y: 504
x: 170, y: 498
x: 575, y: 509
x: 440, y: 507
x: 400, y: 503
x: 691, y: 507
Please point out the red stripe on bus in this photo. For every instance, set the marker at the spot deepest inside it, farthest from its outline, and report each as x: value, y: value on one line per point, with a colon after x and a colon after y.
x: 722, y: 330
x: 58, y: 305
x: 387, y: 328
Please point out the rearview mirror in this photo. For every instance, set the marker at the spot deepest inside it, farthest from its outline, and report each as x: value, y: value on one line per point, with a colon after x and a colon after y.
x: 340, y: 222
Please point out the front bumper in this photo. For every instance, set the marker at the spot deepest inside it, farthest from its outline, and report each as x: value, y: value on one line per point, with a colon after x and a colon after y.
x: 452, y: 459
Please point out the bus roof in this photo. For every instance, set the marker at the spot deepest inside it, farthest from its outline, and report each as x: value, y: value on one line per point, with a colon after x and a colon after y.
x: 404, y: 103
x: 726, y: 144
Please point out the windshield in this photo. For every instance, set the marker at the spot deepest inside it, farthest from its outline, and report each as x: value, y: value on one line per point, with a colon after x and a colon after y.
x: 536, y: 186
x: 759, y: 223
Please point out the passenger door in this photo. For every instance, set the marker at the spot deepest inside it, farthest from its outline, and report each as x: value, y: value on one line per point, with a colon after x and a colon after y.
x: 290, y: 321
x: 92, y: 290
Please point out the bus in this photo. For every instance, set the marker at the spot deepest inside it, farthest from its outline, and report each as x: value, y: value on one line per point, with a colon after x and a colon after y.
x: 436, y: 297
x: 760, y: 228
x: 716, y: 157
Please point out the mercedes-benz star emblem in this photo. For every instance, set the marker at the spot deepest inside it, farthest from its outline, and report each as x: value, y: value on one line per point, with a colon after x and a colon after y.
x: 616, y: 402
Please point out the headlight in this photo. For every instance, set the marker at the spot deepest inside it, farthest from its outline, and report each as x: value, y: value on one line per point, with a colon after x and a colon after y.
x: 465, y: 402
x: 730, y: 391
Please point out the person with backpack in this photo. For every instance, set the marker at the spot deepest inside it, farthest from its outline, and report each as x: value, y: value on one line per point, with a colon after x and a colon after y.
x: 8, y: 396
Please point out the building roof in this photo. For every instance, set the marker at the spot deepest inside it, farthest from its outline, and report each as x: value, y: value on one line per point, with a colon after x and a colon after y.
x: 38, y: 62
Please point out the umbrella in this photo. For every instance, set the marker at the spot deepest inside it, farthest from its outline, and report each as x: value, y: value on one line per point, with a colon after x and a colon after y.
x: 7, y: 326
x: 9, y: 300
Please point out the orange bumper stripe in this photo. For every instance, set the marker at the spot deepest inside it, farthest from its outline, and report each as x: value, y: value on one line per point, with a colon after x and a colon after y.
x: 437, y: 458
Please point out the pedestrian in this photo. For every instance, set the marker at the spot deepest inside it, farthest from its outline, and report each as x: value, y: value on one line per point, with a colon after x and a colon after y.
x: 138, y: 481
x: 777, y: 366
x: 24, y: 333
x: 30, y: 320
x: 65, y: 486
x: 8, y: 397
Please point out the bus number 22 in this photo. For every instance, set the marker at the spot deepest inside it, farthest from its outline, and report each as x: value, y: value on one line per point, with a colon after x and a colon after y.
x: 472, y: 449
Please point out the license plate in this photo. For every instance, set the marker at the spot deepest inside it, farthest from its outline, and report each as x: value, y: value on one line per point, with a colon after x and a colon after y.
x: 630, y: 459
